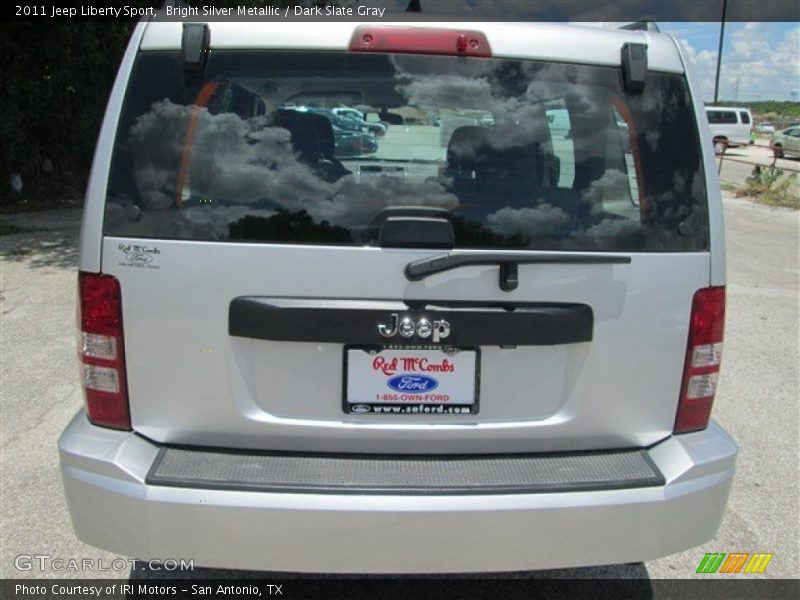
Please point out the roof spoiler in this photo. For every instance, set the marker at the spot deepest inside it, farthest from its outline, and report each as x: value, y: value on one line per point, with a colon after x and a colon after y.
x: 641, y: 26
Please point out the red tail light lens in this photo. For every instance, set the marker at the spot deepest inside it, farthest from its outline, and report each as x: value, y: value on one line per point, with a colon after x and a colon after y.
x: 101, y: 350
x: 420, y: 40
x: 703, y: 356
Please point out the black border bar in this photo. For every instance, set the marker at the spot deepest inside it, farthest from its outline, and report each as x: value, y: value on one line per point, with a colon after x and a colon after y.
x: 432, y: 10
x: 621, y: 581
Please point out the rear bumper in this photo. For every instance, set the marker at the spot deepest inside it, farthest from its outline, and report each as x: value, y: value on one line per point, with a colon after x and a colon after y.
x: 113, y: 508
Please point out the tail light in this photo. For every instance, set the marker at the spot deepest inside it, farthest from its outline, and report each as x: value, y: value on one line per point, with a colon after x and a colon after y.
x: 101, y: 350
x: 703, y: 355
x: 420, y: 40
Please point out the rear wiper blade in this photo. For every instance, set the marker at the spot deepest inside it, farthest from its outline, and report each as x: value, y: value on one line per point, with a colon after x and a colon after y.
x: 508, y: 263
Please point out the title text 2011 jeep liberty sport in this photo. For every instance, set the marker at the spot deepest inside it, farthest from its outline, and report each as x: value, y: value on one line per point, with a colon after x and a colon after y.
x: 446, y: 336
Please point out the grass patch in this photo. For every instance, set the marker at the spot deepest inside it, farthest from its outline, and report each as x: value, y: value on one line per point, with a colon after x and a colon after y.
x: 727, y: 186
x: 769, y: 185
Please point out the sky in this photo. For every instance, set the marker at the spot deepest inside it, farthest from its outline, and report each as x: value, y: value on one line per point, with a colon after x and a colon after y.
x: 760, y: 61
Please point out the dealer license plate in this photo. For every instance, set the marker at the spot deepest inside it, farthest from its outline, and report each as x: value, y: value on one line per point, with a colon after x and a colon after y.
x: 410, y: 380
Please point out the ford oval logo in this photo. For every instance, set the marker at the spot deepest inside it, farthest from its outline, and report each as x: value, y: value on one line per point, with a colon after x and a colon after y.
x: 360, y: 409
x: 140, y: 259
x: 412, y: 383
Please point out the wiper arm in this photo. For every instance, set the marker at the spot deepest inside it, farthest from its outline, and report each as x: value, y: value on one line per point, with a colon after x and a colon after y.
x: 508, y: 263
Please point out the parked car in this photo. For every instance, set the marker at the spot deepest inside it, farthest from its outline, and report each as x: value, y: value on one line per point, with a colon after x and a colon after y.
x: 349, y: 114
x: 765, y: 128
x: 730, y: 127
x: 495, y: 351
x: 786, y: 143
x: 343, y: 123
x: 377, y: 127
x: 353, y: 143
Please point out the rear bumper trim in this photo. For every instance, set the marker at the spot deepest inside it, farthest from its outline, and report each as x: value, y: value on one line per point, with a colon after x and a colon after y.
x: 113, y: 507
x: 411, y: 475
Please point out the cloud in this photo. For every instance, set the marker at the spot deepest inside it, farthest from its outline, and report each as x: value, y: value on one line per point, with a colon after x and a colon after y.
x: 249, y: 162
x: 494, y: 87
x: 528, y: 221
x: 447, y: 90
x: 609, y: 229
x: 358, y: 202
x: 229, y: 158
x: 614, y: 184
x: 760, y: 62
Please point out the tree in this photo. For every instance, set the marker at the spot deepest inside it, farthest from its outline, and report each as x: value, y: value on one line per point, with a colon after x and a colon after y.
x: 57, y: 78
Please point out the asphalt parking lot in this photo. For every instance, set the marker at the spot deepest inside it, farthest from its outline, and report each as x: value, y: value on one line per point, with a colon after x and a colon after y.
x: 757, y: 402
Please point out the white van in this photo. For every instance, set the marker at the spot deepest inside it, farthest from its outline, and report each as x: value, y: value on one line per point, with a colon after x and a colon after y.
x: 729, y: 127
x: 496, y: 354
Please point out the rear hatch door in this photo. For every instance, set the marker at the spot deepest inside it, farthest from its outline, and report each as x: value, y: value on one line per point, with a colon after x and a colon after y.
x: 509, y: 267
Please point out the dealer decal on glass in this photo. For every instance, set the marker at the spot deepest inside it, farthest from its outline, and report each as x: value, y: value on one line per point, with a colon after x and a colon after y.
x: 411, y: 380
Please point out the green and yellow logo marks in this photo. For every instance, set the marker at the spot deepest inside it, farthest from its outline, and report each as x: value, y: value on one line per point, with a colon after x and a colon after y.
x: 734, y: 562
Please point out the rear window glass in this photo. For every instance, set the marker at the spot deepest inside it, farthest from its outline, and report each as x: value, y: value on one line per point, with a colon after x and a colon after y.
x: 310, y: 147
x: 722, y: 117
